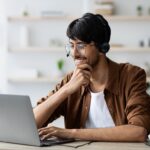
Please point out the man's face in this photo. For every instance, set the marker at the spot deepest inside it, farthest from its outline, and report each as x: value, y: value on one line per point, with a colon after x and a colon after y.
x: 84, y: 53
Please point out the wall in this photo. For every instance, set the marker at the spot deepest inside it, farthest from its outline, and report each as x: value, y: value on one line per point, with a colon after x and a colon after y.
x: 128, y: 33
x: 40, y: 34
x: 2, y: 47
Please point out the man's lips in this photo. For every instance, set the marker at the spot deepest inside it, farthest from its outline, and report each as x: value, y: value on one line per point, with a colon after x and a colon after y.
x: 79, y: 61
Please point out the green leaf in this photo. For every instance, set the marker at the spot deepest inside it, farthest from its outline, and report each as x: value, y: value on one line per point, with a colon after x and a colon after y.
x: 60, y: 64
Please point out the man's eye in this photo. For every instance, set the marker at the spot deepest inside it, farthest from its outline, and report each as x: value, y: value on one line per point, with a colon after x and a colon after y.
x: 71, y: 46
x: 80, y: 46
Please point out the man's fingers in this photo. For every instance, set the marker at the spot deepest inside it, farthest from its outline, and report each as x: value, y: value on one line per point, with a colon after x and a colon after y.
x: 42, y: 129
x: 84, y: 76
x: 83, y: 72
x: 46, y: 136
x: 46, y: 130
x: 85, y: 67
x: 43, y: 132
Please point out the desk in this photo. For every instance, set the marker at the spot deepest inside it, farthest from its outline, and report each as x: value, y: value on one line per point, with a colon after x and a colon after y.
x: 91, y: 146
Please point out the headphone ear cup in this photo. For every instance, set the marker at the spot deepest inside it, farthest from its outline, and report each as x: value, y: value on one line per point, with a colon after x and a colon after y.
x: 104, y: 48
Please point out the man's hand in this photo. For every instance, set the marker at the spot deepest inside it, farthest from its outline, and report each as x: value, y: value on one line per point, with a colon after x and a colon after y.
x: 81, y: 76
x: 51, y: 131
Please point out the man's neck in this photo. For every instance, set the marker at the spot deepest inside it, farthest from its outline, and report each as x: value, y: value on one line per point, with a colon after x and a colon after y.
x: 99, y: 75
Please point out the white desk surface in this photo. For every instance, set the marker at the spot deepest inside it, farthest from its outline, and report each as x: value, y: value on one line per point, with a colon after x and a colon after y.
x: 91, y: 146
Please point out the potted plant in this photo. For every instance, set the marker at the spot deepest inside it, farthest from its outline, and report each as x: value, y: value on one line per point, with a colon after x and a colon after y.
x: 139, y: 10
x: 25, y: 12
x: 60, y: 66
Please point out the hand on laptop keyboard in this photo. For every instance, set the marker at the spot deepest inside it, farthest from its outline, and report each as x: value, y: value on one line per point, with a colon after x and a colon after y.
x: 51, y: 131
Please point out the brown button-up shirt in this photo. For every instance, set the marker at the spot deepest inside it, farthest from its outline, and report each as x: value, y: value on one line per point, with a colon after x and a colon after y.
x: 125, y: 95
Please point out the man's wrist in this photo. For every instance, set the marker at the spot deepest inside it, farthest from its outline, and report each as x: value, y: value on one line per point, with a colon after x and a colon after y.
x: 67, y: 89
x: 72, y: 133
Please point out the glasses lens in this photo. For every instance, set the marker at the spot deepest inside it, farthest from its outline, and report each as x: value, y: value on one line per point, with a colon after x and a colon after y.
x: 79, y: 47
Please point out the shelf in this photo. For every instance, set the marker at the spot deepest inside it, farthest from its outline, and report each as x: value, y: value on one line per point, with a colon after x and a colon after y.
x: 37, y: 49
x: 39, y: 18
x: 33, y: 80
x: 128, y: 18
x: 65, y: 17
x: 40, y: 80
x: 130, y: 49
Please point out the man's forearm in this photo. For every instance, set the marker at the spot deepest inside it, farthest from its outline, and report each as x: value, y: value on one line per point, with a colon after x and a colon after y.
x: 43, y: 111
x: 124, y: 133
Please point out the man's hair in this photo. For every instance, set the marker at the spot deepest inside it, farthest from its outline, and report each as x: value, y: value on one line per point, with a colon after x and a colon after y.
x: 90, y: 28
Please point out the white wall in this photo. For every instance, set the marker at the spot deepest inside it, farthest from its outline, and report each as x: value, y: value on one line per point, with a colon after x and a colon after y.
x: 128, y: 33
x: 2, y: 47
x: 40, y: 35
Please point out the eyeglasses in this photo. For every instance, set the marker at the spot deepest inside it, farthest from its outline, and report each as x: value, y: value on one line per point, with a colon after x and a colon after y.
x: 80, y: 47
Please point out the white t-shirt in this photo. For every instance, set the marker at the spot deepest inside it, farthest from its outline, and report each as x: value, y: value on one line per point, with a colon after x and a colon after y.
x: 99, y: 115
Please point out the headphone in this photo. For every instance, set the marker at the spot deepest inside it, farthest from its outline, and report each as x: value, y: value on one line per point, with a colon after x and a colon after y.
x: 104, y: 47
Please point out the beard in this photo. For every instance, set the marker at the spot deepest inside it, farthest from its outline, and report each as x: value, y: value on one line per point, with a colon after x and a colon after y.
x: 93, y: 63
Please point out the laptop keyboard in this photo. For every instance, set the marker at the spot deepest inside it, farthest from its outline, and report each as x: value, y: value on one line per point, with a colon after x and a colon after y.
x: 55, y: 141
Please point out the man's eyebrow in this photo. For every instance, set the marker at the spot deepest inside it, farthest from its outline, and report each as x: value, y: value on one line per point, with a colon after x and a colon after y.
x: 80, y: 42
x: 70, y: 42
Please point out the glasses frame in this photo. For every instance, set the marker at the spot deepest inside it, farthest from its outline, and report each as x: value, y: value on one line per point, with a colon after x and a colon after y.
x: 79, y: 47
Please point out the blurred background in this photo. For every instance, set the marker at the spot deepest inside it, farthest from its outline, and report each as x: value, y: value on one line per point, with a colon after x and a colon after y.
x: 33, y: 38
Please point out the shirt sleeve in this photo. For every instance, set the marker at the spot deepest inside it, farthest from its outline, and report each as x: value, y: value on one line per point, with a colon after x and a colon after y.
x: 138, y: 104
x: 60, y: 111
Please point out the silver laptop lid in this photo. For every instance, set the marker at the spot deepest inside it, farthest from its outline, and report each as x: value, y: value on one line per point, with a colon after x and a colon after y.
x: 17, y: 123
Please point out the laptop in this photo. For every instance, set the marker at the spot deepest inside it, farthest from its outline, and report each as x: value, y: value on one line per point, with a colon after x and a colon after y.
x: 17, y: 123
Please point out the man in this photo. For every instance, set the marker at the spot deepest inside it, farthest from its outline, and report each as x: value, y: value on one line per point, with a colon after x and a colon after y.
x: 100, y: 100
